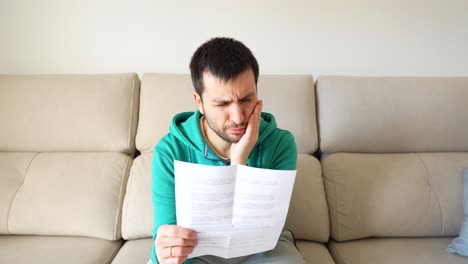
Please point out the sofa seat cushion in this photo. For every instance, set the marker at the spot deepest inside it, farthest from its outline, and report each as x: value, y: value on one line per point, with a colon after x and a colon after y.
x: 134, y: 251
x: 57, y: 249
x: 394, y: 251
x: 314, y: 252
x: 63, y: 193
x: 394, y: 195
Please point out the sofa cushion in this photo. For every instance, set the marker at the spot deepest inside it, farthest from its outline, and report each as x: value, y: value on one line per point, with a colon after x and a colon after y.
x: 134, y: 251
x: 291, y: 99
x: 394, y: 251
x: 308, y: 211
x: 377, y: 115
x: 164, y: 95
x: 307, y: 217
x: 58, y: 113
x: 13, y: 167
x: 137, y: 214
x: 63, y: 193
x: 391, y: 195
x: 54, y: 249
x: 314, y: 252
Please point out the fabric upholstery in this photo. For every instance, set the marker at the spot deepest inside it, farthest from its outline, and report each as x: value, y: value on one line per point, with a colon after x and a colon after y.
x: 13, y: 168
x: 388, y: 115
x: 290, y: 98
x: 381, y: 195
x: 137, y: 215
x: 134, y: 251
x: 308, y: 212
x: 57, y: 250
x: 63, y: 193
x: 394, y: 251
x: 162, y: 96
x: 58, y: 113
x: 314, y: 252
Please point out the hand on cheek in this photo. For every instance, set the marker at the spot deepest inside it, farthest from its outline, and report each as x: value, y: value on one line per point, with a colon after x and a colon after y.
x: 240, y: 151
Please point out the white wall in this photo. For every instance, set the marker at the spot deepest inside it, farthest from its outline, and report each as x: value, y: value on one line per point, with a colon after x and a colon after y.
x: 362, y: 37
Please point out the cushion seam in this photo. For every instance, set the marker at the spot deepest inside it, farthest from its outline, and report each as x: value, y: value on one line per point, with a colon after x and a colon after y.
x: 336, y: 210
x: 125, y: 208
x: 442, y: 218
x: 338, y: 255
x: 122, y: 184
x: 114, y: 254
x: 16, y: 193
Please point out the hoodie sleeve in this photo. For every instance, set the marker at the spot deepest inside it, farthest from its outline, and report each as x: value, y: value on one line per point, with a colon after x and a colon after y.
x: 285, y: 154
x: 163, y: 194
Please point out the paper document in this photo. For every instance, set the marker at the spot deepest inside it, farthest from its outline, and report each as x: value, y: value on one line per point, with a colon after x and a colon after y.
x: 235, y: 210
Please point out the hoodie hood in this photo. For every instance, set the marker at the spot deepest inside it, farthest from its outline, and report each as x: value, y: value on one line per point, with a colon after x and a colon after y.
x: 186, y: 127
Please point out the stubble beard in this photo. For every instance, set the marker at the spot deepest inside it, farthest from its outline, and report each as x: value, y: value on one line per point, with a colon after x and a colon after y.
x: 220, y: 133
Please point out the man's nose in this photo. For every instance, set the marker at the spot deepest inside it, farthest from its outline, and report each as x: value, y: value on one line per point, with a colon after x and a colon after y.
x: 235, y: 114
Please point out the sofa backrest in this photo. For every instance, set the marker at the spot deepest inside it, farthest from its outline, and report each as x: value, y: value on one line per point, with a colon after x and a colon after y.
x: 393, y: 153
x: 66, y: 147
x: 290, y: 98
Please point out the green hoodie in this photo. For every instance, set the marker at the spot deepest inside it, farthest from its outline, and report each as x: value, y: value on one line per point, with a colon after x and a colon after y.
x: 275, y: 149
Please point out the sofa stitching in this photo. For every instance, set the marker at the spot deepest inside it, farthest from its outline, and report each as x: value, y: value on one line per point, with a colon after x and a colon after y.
x: 442, y: 218
x: 122, y: 184
x: 17, y: 190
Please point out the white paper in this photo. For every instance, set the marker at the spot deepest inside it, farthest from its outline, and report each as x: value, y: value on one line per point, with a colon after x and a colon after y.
x: 235, y: 210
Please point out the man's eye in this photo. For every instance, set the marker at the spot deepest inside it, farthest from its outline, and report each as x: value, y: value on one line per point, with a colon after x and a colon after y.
x: 222, y: 105
x: 245, y: 101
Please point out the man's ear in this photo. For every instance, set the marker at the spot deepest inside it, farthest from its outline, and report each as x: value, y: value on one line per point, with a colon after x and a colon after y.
x: 198, y: 101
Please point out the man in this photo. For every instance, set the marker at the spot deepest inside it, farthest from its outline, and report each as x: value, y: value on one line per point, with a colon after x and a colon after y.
x: 227, y: 128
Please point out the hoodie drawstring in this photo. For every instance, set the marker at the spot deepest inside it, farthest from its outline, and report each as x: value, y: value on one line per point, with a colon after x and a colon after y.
x: 189, y: 153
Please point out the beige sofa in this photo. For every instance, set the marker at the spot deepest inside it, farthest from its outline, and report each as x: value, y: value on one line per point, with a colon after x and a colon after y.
x: 379, y: 165
x: 393, y: 153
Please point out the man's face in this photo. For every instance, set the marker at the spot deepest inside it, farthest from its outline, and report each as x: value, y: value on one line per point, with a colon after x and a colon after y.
x: 227, y: 106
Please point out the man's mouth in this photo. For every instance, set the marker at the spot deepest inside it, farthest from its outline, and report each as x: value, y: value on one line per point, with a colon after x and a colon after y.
x: 237, y: 130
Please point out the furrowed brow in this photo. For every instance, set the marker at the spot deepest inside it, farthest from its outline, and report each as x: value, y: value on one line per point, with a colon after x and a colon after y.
x: 247, y: 96
x: 221, y: 100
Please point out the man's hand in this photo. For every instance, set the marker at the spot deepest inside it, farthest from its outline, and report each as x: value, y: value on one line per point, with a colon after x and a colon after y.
x: 174, y: 244
x: 240, y: 151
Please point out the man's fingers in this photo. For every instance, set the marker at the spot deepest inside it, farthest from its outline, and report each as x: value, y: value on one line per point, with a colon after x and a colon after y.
x: 181, y: 251
x: 175, y: 260
x: 254, y: 120
x: 258, y: 112
x: 173, y: 254
x: 175, y: 241
x: 176, y: 231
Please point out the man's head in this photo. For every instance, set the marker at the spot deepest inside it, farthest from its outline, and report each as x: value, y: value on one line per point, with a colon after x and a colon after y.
x: 224, y: 58
x: 225, y: 74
